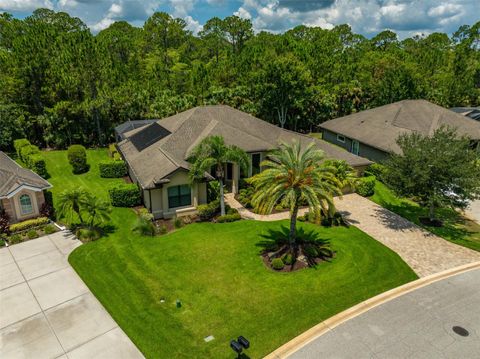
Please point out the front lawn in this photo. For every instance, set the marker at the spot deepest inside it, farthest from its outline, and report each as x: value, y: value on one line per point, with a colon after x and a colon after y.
x: 217, y: 272
x: 457, y: 229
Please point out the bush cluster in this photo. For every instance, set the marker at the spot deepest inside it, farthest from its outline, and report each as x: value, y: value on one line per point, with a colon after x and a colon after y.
x: 4, y: 222
x: 288, y: 259
x: 31, y: 156
x: 207, y: 211
x: 49, y: 229
x: 77, y: 157
x: 376, y: 170
x: 112, y: 169
x: 229, y: 218
x: 15, y: 238
x: 245, y: 196
x: 31, y: 234
x: 28, y: 224
x: 125, y: 195
x: 277, y: 264
x: 366, y: 186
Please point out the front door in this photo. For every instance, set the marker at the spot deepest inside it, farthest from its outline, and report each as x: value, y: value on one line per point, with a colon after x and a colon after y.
x: 355, y: 147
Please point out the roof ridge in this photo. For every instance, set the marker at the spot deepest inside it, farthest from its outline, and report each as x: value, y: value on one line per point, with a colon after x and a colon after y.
x: 211, y: 125
x: 169, y: 156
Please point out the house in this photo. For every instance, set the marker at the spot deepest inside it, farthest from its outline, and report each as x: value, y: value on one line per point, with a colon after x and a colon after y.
x: 121, y: 129
x: 156, y: 154
x: 21, y: 190
x: 373, y: 133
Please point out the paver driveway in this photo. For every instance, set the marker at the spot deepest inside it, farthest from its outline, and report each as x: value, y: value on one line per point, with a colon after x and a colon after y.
x: 46, y: 311
x: 418, y: 324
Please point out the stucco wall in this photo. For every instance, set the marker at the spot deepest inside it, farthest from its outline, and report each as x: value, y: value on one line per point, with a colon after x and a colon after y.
x: 13, y: 208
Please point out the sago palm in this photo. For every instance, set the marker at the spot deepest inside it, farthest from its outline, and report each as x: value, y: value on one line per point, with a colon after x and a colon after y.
x: 213, y: 152
x: 71, y: 202
x: 97, y: 210
x: 294, y: 175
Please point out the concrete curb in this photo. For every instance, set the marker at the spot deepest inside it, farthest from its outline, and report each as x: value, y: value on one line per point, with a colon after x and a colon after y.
x: 313, y: 333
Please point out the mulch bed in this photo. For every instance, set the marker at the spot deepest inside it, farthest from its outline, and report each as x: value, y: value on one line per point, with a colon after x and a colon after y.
x: 300, y: 263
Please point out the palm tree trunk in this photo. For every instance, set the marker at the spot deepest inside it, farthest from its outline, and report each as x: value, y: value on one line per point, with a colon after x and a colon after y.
x: 293, y: 227
x: 222, y: 198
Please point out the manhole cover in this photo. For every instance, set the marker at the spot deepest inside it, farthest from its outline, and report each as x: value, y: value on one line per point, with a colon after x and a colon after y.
x: 460, y: 331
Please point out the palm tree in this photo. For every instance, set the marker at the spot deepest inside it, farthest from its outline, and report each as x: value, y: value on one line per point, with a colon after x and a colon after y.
x: 97, y: 209
x: 344, y: 173
x: 213, y: 152
x: 293, y: 176
x: 71, y: 202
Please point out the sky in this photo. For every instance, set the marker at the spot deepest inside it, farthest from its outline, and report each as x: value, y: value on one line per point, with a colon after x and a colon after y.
x: 367, y: 17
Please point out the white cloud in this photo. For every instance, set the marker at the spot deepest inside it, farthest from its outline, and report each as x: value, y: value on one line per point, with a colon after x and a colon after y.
x: 24, y: 5
x: 244, y: 14
x: 193, y: 25
x: 181, y: 8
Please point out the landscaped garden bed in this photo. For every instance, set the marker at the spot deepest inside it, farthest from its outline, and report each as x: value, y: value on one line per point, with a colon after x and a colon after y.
x: 29, y: 229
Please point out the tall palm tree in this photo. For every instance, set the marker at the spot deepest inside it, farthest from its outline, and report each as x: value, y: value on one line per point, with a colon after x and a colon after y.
x: 71, y: 202
x: 293, y: 176
x: 97, y: 209
x: 213, y: 152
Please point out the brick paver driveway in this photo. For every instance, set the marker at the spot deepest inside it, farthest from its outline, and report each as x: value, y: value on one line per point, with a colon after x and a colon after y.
x: 423, y: 251
x: 46, y: 311
x: 419, y: 324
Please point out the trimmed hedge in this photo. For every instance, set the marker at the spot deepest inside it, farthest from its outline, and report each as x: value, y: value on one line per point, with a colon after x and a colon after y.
x: 26, y: 152
x: 31, y: 157
x: 37, y: 164
x: 125, y: 195
x: 19, y: 144
x: 112, y: 150
x: 366, y: 186
x: 77, y: 157
x: 229, y: 218
x: 207, y: 211
x: 112, y: 169
x: 29, y: 223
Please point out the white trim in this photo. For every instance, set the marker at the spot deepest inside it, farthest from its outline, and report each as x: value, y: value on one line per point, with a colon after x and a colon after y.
x: 27, y: 187
x: 340, y: 140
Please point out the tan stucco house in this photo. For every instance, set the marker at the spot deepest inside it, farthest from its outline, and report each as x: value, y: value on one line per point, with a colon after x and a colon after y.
x: 21, y: 190
x: 156, y: 154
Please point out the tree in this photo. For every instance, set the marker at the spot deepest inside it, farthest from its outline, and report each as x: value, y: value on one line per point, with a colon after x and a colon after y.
x: 294, y: 175
x: 71, y: 202
x: 212, y: 152
x: 97, y: 210
x: 439, y: 171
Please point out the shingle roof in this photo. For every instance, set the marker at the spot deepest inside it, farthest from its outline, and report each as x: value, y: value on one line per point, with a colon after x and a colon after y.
x: 188, y: 128
x: 381, y: 126
x: 12, y: 176
x: 131, y: 125
x: 472, y: 112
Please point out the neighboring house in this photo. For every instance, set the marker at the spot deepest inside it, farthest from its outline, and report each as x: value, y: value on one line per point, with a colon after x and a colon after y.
x: 157, y: 154
x: 472, y: 112
x: 21, y: 190
x: 373, y: 133
x: 128, y: 126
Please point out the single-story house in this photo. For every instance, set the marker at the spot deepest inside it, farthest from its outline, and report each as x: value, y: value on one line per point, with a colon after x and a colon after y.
x: 156, y: 154
x: 21, y: 190
x: 373, y: 133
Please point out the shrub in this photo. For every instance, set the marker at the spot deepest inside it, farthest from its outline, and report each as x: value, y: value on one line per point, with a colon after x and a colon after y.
x: 49, y: 229
x: 245, y: 196
x: 15, y: 238
x: 77, y: 157
x: 46, y: 210
x: 162, y: 229
x: 277, y: 264
x: 207, y: 211
x: 27, y: 152
x: 112, y: 150
x: 31, y: 234
x: 287, y: 259
x: 229, y: 218
x: 2, y: 241
x: 310, y: 251
x: 117, y: 157
x: 112, y: 169
x: 125, y: 195
x: 178, y: 223
x: 87, y: 234
x: 18, y: 144
x: 29, y: 223
x: 4, y: 222
x: 279, y: 208
x: 231, y: 210
x: 366, y: 186
x: 376, y: 170
x: 336, y: 220
x: 144, y: 227
x: 37, y: 164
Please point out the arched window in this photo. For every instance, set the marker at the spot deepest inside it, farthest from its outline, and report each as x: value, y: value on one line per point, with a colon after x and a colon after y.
x: 26, y: 204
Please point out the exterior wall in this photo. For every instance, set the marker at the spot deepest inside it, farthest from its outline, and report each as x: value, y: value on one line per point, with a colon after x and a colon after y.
x: 7, y: 205
x: 366, y: 151
x: 13, y: 208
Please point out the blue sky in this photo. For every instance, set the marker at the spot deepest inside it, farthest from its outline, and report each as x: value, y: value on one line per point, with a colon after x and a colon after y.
x: 406, y: 17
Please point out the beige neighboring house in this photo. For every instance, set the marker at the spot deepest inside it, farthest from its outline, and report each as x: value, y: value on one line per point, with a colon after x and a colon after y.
x: 21, y: 190
x: 156, y: 154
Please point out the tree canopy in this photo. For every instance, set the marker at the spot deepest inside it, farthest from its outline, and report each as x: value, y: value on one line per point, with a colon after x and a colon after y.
x: 60, y: 84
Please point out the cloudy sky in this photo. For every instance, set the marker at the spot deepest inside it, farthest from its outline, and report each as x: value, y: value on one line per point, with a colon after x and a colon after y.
x: 406, y: 17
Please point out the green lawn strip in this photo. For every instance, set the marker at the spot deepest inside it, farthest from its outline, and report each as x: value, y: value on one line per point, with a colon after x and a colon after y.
x: 457, y: 229
x: 218, y: 274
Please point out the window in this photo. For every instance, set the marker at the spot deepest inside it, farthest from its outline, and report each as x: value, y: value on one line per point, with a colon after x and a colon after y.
x: 26, y: 204
x: 341, y: 138
x: 179, y: 196
x: 255, y: 163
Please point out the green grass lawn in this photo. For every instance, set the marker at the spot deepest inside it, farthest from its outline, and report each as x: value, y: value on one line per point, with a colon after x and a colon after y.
x: 218, y: 274
x: 456, y: 229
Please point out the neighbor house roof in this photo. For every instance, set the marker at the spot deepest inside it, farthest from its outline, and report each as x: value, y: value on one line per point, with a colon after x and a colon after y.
x: 381, y: 126
x: 131, y: 125
x: 472, y: 112
x: 156, y: 151
x: 14, y: 177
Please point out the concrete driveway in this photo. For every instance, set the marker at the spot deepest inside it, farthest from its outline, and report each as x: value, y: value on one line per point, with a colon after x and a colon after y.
x: 46, y: 311
x: 419, y: 324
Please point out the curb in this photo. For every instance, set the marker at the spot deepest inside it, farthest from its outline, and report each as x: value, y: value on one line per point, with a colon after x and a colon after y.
x: 313, y: 333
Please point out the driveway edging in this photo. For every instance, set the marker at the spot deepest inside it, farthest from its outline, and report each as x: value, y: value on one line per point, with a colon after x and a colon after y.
x: 313, y: 333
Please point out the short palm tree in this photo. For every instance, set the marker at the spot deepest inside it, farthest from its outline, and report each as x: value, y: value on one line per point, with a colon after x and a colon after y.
x: 97, y: 210
x: 213, y: 152
x: 71, y: 202
x: 294, y: 175
x: 344, y: 173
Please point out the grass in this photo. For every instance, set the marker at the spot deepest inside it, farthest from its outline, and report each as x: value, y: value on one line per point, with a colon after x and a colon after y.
x: 456, y: 229
x: 217, y: 273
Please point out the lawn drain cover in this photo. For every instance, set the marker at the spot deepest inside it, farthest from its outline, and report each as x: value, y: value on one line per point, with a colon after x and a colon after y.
x: 209, y: 338
x: 460, y: 331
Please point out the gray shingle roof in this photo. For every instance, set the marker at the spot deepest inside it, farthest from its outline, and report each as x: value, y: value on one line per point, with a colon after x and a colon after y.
x: 12, y: 176
x: 131, y: 125
x: 188, y: 128
x: 381, y: 126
